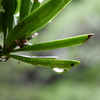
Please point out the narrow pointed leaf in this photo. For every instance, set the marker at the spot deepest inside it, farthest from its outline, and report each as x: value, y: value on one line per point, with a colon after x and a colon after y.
x: 11, y: 6
x: 7, y: 17
x: 4, y: 19
x: 77, y: 40
x: 67, y: 64
x: 37, y: 19
x: 4, y: 26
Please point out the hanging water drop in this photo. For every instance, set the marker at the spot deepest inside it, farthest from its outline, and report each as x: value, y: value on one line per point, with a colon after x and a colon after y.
x: 60, y: 70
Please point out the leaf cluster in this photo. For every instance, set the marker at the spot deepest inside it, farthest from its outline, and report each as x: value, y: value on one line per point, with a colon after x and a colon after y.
x: 19, y: 22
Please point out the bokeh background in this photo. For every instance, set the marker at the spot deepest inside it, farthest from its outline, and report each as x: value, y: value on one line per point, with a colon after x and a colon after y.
x: 21, y: 81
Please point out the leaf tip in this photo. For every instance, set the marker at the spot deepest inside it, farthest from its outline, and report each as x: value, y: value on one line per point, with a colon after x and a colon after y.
x: 76, y: 64
x: 89, y: 36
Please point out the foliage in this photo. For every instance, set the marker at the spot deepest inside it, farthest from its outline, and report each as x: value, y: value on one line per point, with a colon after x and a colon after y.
x: 18, y: 30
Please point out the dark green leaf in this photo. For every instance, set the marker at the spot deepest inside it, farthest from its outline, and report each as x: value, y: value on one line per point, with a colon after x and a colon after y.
x: 36, y: 20
x: 24, y: 8
x: 4, y: 19
x: 35, y: 5
x: 7, y: 17
x: 11, y: 6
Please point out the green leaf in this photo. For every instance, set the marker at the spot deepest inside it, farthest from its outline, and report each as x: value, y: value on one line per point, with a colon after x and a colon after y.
x: 66, y: 64
x: 4, y: 19
x: 72, y: 41
x: 18, y: 6
x: 7, y: 17
x: 11, y: 6
x: 24, y: 8
x: 36, y: 20
x: 35, y: 5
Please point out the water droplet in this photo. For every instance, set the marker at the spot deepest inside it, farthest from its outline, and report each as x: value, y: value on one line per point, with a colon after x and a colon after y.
x: 60, y: 70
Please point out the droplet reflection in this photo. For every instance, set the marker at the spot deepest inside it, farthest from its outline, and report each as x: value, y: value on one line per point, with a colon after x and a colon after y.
x: 60, y: 70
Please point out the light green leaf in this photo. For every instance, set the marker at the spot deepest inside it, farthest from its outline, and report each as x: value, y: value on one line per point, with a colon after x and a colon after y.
x: 18, y: 6
x: 72, y: 41
x: 66, y: 64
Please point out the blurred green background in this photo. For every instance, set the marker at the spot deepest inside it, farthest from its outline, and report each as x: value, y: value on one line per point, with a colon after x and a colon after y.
x: 21, y: 81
